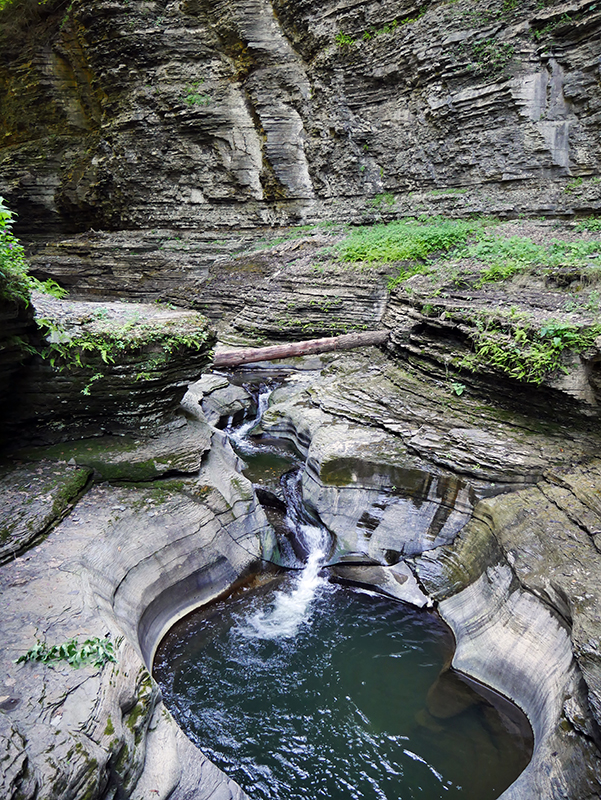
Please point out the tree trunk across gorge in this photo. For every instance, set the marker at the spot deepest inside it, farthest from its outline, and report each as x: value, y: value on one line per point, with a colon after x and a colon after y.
x: 348, y: 341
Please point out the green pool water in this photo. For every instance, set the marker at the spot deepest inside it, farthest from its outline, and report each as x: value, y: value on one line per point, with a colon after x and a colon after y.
x: 304, y: 689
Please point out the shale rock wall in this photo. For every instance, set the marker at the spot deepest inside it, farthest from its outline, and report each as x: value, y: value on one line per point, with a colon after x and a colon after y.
x: 17, y: 332
x: 104, y: 368
x: 202, y: 114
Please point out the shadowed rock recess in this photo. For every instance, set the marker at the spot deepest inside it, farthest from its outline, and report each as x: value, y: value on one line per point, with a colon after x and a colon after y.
x: 213, y: 156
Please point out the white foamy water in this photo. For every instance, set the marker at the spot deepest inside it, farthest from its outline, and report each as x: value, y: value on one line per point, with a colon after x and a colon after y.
x: 291, y: 608
x: 238, y: 436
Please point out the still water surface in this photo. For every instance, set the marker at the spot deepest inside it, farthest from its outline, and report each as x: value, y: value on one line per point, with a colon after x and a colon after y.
x: 304, y: 689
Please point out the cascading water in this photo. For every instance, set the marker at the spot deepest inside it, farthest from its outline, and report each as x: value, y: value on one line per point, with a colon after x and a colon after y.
x: 302, y: 690
x: 290, y: 607
x: 239, y: 435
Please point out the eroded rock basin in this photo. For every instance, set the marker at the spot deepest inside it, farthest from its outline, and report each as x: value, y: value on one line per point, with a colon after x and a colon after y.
x: 355, y: 702
x: 514, y: 574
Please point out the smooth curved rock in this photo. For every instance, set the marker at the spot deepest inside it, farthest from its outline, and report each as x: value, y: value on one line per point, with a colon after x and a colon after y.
x: 517, y: 583
x: 510, y: 641
x: 216, y: 400
x: 518, y: 642
x: 126, y: 563
x: 396, y: 581
x: 130, y: 560
x: 363, y: 487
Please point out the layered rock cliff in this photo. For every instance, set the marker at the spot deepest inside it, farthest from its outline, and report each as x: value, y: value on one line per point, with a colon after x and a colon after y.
x: 206, y: 114
x: 150, y: 149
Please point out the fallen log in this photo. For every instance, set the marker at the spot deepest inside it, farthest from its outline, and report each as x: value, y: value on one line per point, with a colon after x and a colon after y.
x: 348, y: 341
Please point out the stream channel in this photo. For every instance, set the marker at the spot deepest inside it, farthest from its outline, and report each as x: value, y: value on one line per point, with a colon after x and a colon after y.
x: 299, y: 687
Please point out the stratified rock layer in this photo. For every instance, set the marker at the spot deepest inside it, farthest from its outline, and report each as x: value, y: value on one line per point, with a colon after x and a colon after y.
x: 124, y: 564
x: 181, y: 115
x: 113, y: 368
x: 517, y: 581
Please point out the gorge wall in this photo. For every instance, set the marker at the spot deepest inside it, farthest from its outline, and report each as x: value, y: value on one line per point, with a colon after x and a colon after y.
x: 203, y: 114
x: 148, y: 147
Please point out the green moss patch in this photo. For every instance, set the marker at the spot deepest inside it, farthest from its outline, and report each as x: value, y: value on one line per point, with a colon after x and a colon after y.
x: 34, y: 498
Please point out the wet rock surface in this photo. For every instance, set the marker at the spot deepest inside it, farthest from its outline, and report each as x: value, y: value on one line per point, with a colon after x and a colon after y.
x: 176, y: 448
x: 429, y: 498
x: 217, y: 400
x: 514, y: 578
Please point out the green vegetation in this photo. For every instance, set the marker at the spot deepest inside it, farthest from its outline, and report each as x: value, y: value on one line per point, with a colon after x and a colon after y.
x: 95, y: 652
x: 514, y: 255
x: 581, y: 184
x: 486, y: 56
x: 472, y: 253
x: 565, y: 19
x: 343, y: 40
x: 404, y: 240
x: 15, y: 281
x: 148, y: 344
x: 420, y: 240
x: 380, y: 200
x: 524, y: 353
x: 66, y: 349
x: 592, y: 224
x: 194, y: 98
x: 576, y: 183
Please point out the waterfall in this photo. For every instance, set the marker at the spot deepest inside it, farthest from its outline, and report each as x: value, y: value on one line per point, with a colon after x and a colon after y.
x: 291, y: 606
x: 238, y: 436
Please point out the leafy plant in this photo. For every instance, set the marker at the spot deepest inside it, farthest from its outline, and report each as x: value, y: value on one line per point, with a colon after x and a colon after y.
x: 404, y: 240
x: 342, y: 40
x: 66, y: 350
x: 526, y: 354
x: 515, y: 255
x: 194, y: 97
x: 458, y: 388
x: 487, y: 56
x: 95, y: 652
x: 565, y: 19
x: 15, y: 281
x: 574, y: 184
x: 390, y: 27
x: 591, y: 224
